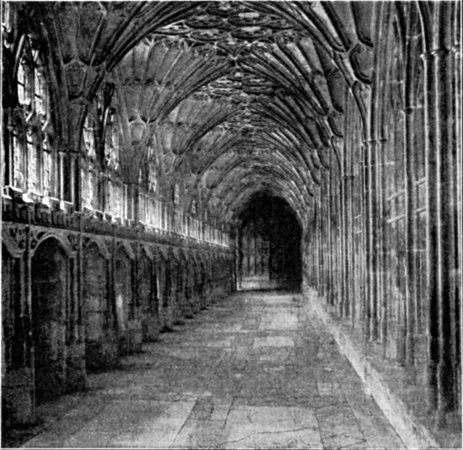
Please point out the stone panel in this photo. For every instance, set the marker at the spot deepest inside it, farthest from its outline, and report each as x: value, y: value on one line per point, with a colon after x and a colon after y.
x: 100, y: 344
x: 50, y: 277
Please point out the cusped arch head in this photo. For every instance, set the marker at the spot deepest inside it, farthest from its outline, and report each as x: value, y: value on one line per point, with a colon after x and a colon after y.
x: 11, y: 246
x: 182, y: 255
x: 100, y: 245
x: 126, y: 249
x: 193, y: 258
x: 57, y: 240
x: 163, y: 252
x: 173, y: 254
x: 149, y: 251
x: 200, y: 259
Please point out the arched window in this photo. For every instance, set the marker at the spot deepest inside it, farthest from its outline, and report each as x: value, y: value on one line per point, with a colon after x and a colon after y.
x: 29, y: 159
x: 89, y: 136
x: 112, y: 141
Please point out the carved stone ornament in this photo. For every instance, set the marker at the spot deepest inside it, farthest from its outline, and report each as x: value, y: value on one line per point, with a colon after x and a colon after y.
x: 15, y: 238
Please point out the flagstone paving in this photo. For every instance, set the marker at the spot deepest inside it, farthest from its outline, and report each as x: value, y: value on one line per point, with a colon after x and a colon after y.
x: 251, y: 371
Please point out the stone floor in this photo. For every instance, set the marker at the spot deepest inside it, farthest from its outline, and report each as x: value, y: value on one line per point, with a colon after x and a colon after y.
x: 262, y: 282
x: 251, y: 371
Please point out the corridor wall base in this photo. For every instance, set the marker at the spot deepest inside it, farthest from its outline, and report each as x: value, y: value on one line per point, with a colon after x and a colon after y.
x: 413, y: 434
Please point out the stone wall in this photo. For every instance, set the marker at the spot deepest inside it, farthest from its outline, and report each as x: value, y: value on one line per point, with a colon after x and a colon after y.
x: 74, y: 301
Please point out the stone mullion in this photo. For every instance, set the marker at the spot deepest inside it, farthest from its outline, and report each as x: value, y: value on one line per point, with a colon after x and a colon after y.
x: 132, y: 198
x: 75, y: 180
x: 8, y: 149
x: 61, y: 188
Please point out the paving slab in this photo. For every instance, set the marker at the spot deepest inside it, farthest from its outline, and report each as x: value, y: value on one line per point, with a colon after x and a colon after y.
x: 251, y: 371
x: 271, y: 427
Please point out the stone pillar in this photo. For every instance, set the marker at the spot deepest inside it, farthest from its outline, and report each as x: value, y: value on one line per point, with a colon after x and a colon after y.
x: 372, y: 241
x: 409, y: 236
x: 75, y: 349
x: 444, y: 247
x: 431, y: 237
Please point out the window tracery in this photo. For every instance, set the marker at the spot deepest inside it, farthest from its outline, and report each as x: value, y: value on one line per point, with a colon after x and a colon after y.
x: 29, y: 153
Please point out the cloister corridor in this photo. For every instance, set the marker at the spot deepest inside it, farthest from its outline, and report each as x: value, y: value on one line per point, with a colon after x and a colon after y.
x: 231, y: 224
x: 254, y: 370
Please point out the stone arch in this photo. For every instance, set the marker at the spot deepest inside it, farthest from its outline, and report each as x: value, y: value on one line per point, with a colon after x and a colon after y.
x: 98, y: 316
x: 51, y: 311
x: 102, y: 248
x: 128, y: 249
x: 63, y: 242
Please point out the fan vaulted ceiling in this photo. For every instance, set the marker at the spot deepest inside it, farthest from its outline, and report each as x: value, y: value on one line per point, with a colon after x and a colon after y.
x: 228, y: 97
